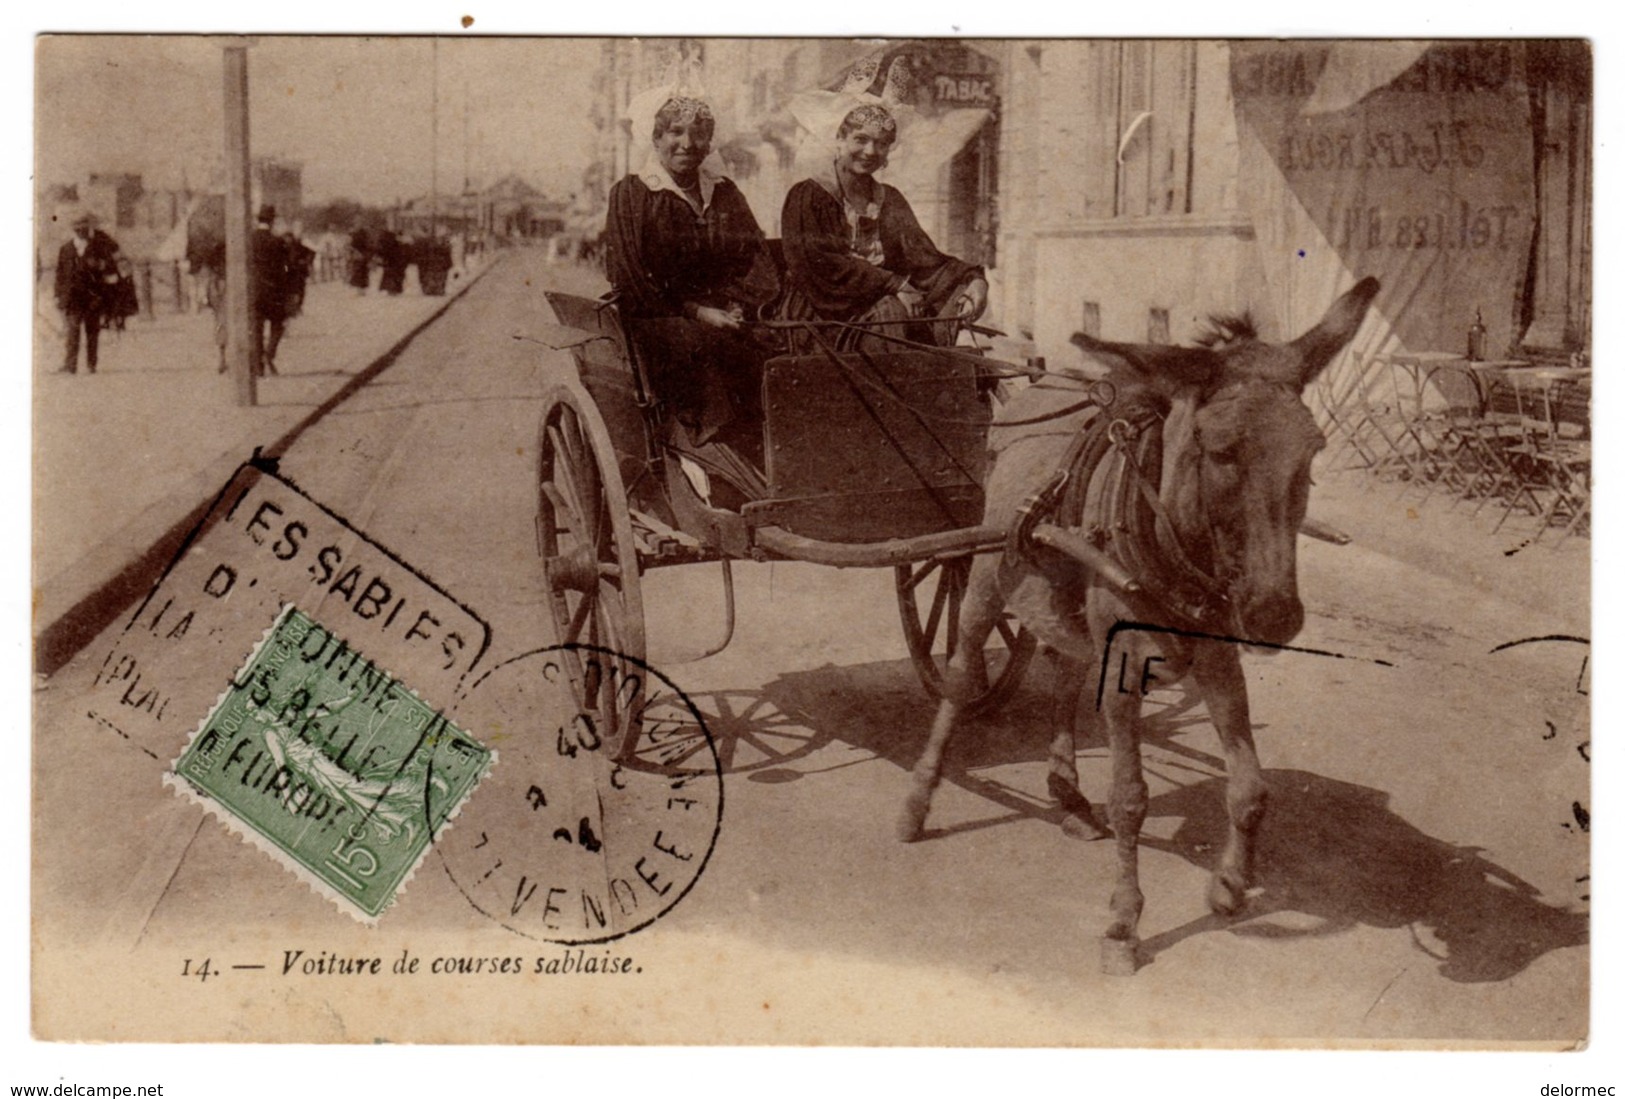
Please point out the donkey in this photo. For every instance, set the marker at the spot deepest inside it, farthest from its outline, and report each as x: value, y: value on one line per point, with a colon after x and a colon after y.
x: 1186, y: 479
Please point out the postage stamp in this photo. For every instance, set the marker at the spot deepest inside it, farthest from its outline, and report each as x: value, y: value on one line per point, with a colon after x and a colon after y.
x: 585, y: 837
x: 330, y: 764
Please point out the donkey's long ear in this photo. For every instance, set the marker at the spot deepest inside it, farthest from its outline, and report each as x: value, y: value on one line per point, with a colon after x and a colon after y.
x: 1319, y: 345
x: 1163, y: 368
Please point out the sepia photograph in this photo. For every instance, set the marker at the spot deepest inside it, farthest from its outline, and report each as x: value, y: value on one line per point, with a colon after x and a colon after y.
x: 812, y: 541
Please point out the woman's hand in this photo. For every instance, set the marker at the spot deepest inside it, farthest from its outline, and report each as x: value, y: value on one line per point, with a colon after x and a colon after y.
x: 911, y: 297
x: 972, y: 300
x: 719, y: 318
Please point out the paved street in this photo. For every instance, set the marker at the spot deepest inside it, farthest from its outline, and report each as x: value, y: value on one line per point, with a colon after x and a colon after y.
x: 1421, y: 876
x: 157, y: 412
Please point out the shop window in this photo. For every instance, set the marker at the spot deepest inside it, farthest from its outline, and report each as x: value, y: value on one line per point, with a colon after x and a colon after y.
x: 1157, y: 330
x: 1156, y: 116
x: 1557, y: 301
x: 1090, y: 325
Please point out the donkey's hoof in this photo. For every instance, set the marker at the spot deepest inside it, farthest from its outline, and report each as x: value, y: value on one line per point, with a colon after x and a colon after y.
x: 1084, y: 826
x: 1225, y: 897
x: 911, y: 821
x: 1119, y: 957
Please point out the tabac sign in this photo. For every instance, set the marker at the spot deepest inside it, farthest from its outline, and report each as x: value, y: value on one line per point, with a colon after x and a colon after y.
x: 964, y: 90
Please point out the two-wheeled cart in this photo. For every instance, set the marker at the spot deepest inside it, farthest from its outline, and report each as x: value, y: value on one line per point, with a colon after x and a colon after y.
x: 872, y: 460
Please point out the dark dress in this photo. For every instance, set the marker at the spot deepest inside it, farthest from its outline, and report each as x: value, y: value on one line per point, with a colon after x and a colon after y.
x: 301, y: 261
x: 359, y: 260
x: 827, y: 278
x: 392, y: 257
x: 663, y: 257
x: 434, y: 262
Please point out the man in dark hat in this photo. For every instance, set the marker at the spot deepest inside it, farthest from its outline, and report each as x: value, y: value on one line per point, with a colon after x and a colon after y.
x: 270, y: 285
x: 86, y: 277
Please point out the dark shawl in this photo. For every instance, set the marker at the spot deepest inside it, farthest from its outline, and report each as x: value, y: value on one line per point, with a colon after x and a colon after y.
x: 820, y: 265
x: 660, y: 253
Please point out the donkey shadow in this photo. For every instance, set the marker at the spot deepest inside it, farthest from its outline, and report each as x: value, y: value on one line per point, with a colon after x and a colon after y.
x: 1330, y: 851
x: 1333, y: 851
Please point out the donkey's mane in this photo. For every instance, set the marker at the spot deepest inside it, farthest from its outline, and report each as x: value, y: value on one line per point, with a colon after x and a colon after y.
x: 1224, y: 329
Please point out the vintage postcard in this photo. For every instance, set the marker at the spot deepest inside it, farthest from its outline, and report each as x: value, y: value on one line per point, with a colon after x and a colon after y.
x: 812, y: 541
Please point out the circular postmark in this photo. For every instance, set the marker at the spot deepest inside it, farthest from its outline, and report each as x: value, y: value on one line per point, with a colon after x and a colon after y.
x: 564, y: 841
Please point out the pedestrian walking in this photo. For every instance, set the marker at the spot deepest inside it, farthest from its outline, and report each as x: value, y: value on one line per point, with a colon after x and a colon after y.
x: 270, y: 281
x: 86, y: 282
x: 301, y: 260
x: 434, y: 264
x: 392, y: 255
x: 206, y: 256
x: 358, y: 258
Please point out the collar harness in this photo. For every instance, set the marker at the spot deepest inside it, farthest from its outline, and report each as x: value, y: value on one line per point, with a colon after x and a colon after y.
x: 1104, y: 493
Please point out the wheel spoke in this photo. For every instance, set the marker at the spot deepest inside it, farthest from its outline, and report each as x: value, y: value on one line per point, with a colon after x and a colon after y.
x: 956, y: 595
x: 916, y: 578
x: 1009, y: 635
x: 579, y: 619
x: 938, y: 598
x: 590, y: 488
x: 610, y: 600
x: 560, y: 504
x: 566, y: 482
x: 603, y: 543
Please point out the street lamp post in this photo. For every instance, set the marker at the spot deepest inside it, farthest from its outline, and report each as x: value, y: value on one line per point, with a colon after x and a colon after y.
x: 434, y: 137
x: 242, y: 353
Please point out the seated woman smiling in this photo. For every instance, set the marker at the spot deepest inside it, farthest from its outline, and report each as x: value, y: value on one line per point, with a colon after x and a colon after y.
x: 855, y: 252
x: 688, y: 264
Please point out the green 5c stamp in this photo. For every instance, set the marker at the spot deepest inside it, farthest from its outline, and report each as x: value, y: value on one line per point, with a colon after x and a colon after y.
x: 330, y: 765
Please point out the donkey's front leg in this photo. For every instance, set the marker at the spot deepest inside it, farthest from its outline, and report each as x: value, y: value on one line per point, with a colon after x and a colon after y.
x: 1126, y: 810
x: 1218, y: 674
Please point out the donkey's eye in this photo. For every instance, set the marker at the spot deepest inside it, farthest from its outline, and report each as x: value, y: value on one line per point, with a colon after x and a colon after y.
x: 1226, y: 457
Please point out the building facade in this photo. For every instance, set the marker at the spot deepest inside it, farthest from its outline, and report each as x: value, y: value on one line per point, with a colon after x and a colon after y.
x: 1131, y: 189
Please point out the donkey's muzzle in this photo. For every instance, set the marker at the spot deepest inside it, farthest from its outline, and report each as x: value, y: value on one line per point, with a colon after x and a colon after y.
x: 1272, y: 619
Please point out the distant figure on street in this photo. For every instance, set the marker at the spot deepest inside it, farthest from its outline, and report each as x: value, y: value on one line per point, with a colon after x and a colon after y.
x: 269, y: 281
x: 358, y: 259
x: 434, y: 264
x: 206, y: 256
x: 392, y: 256
x: 123, y: 302
x: 86, y: 281
x: 301, y: 261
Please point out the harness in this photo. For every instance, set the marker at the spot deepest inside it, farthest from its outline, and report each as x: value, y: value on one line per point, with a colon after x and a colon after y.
x: 1104, y: 493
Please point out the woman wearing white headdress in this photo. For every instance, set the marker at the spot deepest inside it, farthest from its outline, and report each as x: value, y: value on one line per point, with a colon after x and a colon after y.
x: 688, y: 263
x: 853, y: 249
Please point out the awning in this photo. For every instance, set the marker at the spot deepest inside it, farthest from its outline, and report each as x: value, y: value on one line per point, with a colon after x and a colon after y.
x: 1413, y: 162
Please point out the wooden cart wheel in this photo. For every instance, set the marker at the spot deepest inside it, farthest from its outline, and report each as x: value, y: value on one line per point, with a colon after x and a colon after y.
x: 929, y: 596
x: 590, y: 564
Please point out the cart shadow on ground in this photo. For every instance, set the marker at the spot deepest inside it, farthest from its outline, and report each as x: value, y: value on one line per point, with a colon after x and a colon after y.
x: 1333, y: 855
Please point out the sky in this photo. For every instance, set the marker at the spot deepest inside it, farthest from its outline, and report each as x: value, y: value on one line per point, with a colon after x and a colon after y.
x: 357, y: 111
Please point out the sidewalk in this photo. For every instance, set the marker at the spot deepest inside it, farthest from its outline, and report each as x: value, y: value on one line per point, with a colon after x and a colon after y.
x: 126, y: 459
x: 1439, y: 535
